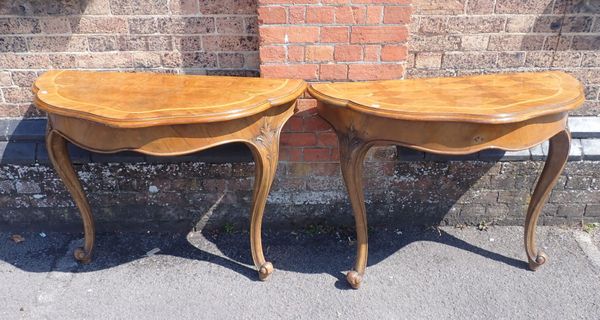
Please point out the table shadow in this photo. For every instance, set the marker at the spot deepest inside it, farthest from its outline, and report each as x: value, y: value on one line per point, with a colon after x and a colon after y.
x: 329, y: 253
x: 318, y: 252
x: 54, y: 251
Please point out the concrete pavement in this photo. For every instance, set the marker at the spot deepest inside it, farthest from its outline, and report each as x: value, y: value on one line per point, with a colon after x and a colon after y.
x: 451, y: 274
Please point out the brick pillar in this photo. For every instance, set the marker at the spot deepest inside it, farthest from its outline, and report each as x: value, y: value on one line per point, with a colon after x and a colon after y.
x: 333, y: 39
x: 326, y: 40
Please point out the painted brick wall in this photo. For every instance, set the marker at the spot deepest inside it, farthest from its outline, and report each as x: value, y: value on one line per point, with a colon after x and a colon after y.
x: 182, y: 36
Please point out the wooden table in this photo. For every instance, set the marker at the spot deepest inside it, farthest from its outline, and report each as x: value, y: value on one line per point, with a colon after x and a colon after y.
x: 451, y: 116
x: 165, y: 115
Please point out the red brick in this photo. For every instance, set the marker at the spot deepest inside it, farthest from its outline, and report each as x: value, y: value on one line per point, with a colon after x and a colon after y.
x: 319, y: 53
x: 295, y: 53
x: 335, y: 154
x: 393, y: 53
x: 294, y: 124
x: 262, y: 2
x: 375, y: 71
x: 317, y: 154
x: 271, y: 35
x: 374, y: 14
x: 319, y: 14
x: 272, y: 15
x: 378, y: 34
x: 348, y: 53
x: 297, y: 15
x: 307, y: 107
x: 315, y: 123
x: 335, y: 34
x: 272, y: 54
x: 350, y: 15
x: 298, y: 139
x: 295, y: 71
x: 290, y: 154
x: 327, y: 138
x: 333, y: 72
x: 288, y: 34
x: 385, y: 1
x: 400, y: 15
x: 344, y: 14
x: 335, y: 1
x: 301, y: 169
x: 372, y: 53
x: 303, y: 34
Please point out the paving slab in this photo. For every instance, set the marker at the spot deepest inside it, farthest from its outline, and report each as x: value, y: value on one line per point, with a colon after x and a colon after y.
x: 450, y: 273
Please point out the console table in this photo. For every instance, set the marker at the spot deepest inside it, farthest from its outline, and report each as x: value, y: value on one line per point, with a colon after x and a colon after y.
x: 165, y: 115
x: 453, y: 116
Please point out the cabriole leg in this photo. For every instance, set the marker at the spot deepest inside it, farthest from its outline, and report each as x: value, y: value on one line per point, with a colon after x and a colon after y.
x: 59, y: 156
x: 265, y: 150
x: 352, y: 154
x: 555, y: 162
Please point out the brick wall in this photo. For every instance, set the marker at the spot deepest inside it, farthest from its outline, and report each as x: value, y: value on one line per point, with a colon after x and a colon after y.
x: 329, y: 40
x: 317, y: 40
x: 332, y: 39
x: 446, y: 38
x: 134, y: 196
x: 183, y: 36
x: 458, y: 37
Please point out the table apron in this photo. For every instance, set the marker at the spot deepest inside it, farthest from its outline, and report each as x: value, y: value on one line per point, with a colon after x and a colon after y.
x: 171, y: 140
x: 443, y: 137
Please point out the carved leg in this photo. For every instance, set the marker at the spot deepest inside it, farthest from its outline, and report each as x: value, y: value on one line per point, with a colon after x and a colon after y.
x: 555, y: 162
x: 59, y: 156
x: 265, y: 150
x: 352, y: 154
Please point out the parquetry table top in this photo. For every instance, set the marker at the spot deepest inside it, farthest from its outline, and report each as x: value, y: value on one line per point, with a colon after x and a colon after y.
x: 131, y: 100
x: 498, y: 98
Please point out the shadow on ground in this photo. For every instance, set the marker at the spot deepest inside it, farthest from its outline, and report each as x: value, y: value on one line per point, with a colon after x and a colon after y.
x: 330, y: 252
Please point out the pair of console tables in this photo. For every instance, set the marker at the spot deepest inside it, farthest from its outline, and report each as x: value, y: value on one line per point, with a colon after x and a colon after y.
x: 167, y: 115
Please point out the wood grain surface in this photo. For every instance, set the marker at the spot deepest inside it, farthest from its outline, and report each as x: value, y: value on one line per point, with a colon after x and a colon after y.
x: 498, y: 98
x: 133, y: 100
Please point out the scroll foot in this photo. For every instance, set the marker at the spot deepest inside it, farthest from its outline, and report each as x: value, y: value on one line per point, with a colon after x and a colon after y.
x: 539, y: 260
x: 354, y: 279
x: 82, y: 256
x: 265, y: 271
